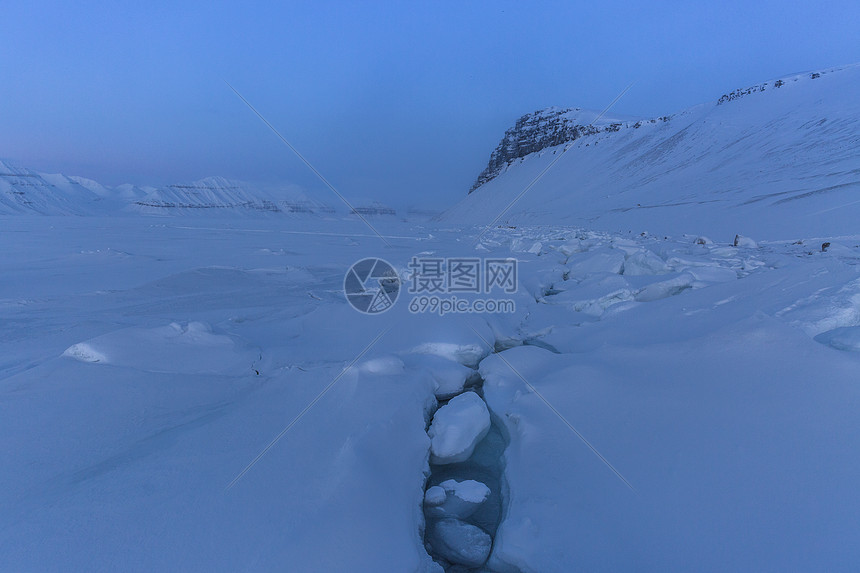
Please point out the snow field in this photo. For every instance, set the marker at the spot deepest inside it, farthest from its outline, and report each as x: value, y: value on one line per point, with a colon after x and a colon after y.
x: 728, y: 401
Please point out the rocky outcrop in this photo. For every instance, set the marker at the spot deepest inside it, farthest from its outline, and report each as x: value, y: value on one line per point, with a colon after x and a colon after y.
x: 539, y: 130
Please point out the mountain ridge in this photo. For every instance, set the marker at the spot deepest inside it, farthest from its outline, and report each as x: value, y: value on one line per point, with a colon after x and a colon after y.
x: 549, y: 127
x: 786, y: 154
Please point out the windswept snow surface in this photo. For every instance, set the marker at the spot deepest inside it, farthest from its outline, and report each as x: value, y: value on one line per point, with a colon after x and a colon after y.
x: 144, y: 366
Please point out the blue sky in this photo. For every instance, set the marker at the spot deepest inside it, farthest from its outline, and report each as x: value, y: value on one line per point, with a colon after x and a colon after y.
x: 387, y: 99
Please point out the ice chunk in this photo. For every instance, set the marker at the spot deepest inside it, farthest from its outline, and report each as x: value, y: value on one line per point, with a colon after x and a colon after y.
x: 468, y: 490
x: 571, y: 247
x: 644, y: 262
x: 597, y: 261
x: 453, y: 498
x: 460, y: 543
x: 594, y: 295
x: 664, y: 289
x: 523, y: 245
x: 435, y: 495
x: 457, y: 428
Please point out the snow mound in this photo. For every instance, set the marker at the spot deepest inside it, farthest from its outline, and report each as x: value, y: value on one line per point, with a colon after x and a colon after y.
x: 844, y: 338
x: 85, y: 353
x: 457, y: 428
x: 383, y: 366
x: 466, y: 354
x: 825, y: 311
x: 181, y: 348
x: 715, y: 274
x: 450, y: 376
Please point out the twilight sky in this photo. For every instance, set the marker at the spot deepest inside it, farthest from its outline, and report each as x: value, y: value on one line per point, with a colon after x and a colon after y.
x: 387, y: 99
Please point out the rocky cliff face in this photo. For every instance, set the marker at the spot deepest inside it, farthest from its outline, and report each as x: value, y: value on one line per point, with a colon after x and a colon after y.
x: 539, y: 130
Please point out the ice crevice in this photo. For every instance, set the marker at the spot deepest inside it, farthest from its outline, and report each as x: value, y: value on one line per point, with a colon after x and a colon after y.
x: 465, y: 491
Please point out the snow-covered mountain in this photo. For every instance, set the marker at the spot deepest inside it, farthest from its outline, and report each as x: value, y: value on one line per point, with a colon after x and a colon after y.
x: 221, y: 194
x: 545, y: 128
x: 782, y: 157
x: 23, y: 190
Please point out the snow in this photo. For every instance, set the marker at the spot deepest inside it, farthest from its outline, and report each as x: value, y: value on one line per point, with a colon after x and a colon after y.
x: 181, y: 348
x: 450, y: 376
x: 745, y: 242
x: 382, y: 366
x: 716, y: 401
x: 666, y: 288
x: 778, y: 164
x: 466, y: 354
x: 457, y: 428
x: 843, y: 338
x: 196, y: 394
x: 596, y: 261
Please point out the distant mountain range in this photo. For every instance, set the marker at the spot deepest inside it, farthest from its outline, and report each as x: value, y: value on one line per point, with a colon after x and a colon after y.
x: 24, y: 191
x: 783, y: 154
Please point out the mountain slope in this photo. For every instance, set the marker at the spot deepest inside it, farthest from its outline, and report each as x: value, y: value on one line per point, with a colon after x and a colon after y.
x: 541, y: 129
x: 220, y: 194
x: 781, y: 157
x: 23, y: 190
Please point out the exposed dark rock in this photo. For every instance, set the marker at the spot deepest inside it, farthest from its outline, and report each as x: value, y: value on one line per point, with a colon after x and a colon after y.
x: 531, y: 133
x: 547, y: 128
